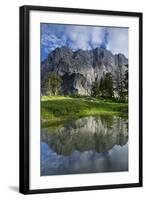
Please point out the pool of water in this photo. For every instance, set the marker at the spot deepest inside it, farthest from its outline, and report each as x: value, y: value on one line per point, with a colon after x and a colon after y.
x: 87, y: 145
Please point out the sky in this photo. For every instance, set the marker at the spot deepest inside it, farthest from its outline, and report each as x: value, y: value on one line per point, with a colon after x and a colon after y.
x: 83, y: 37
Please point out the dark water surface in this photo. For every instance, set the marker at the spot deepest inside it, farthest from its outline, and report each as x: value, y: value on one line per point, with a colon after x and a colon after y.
x: 87, y: 145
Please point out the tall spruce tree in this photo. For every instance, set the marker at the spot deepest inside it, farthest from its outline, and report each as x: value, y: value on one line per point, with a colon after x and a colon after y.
x: 107, y: 86
x: 53, y: 84
x: 122, y: 88
x: 95, y: 91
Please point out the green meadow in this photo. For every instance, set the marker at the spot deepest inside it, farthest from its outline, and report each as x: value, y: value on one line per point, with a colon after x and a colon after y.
x: 57, y: 109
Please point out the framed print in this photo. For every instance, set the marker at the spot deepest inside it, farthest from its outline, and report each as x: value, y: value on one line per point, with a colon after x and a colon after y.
x: 80, y: 99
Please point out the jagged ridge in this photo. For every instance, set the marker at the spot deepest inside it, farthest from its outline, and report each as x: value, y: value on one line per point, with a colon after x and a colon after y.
x: 81, y: 68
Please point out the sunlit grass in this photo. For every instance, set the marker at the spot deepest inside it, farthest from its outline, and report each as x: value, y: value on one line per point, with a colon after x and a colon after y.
x: 55, y: 109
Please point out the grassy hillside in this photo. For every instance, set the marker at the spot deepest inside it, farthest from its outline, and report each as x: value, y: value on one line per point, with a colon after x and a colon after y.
x: 55, y: 109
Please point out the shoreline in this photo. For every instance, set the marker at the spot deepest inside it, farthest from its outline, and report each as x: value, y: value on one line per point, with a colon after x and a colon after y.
x: 59, y: 109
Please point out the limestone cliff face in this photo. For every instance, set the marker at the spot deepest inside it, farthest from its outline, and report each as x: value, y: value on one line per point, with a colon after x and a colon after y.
x: 80, y: 69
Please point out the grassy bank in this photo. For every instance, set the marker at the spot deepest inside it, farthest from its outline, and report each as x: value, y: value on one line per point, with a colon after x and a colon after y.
x: 55, y: 109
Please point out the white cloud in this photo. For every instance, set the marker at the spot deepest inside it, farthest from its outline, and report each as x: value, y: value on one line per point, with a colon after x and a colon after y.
x: 84, y: 37
x: 118, y: 40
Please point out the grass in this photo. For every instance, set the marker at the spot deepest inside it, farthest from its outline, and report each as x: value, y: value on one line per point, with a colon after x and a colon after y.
x: 56, y: 109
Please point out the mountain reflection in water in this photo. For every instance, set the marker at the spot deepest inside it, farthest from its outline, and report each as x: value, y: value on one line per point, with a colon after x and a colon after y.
x: 87, y: 145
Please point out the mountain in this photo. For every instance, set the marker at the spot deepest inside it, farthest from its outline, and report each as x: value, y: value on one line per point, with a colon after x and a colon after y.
x: 79, y: 69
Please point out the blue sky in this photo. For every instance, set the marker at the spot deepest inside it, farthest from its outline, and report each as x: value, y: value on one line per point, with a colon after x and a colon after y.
x: 83, y: 37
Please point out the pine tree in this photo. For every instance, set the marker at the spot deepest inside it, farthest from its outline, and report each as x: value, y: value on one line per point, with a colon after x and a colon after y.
x: 53, y: 84
x: 106, y: 86
x: 95, y: 91
x: 122, y: 88
x: 126, y: 84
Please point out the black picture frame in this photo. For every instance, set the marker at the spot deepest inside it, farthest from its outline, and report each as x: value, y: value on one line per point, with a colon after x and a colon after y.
x: 25, y: 105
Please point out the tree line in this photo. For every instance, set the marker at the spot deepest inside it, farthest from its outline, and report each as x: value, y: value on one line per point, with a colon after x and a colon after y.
x: 52, y: 84
x: 104, y: 88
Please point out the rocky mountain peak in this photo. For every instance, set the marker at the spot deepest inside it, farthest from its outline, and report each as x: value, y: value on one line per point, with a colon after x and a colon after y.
x: 79, y: 69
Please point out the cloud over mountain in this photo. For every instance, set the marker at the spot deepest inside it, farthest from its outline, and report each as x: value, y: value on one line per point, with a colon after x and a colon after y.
x: 83, y: 37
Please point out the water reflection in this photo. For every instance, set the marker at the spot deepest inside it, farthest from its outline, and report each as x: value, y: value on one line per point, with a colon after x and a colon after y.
x: 89, y: 144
